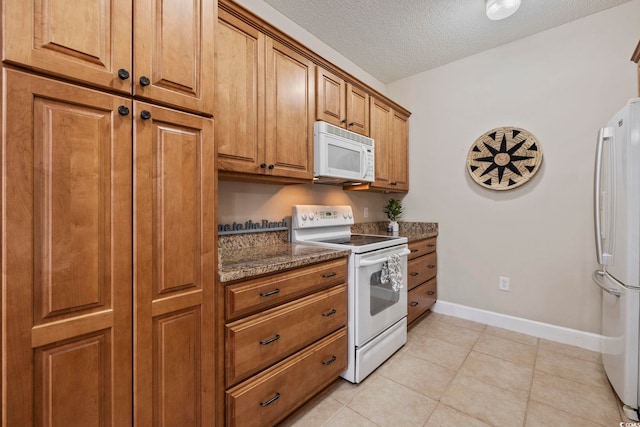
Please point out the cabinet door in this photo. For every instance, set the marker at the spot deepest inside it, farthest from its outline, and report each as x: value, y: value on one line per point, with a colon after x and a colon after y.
x: 357, y: 110
x: 400, y: 147
x: 289, y: 112
x: 174, y: 267
x: 173, y: 48
x: 66, y: 248
x: 239, y: 101
x: 381, y: 122
x: 330, y: 98
x: 86, y: 41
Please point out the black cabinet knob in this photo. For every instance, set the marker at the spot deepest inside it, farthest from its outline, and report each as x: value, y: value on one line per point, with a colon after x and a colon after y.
x: 352, y: 123
x: 145, y: 115
x: 144, y: 81
x: 343, y: 121
x: 123, y: 110
x: 263, y: 165
x: 123, y: 74
x: 271, y: 167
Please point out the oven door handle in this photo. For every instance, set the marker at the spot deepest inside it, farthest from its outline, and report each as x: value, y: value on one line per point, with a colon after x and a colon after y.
x: 370, y: 262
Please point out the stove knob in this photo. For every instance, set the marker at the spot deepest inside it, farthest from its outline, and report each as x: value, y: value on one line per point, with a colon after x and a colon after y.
x: 311, y: 216
x: 303, y: 216
x: 350, y: 215
x: 344, y: 215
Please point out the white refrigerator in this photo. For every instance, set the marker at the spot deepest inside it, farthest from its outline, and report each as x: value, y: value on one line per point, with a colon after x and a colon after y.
x: 617, y: 229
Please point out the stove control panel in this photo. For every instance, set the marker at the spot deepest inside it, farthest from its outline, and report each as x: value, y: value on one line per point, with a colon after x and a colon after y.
x: 309, y: 216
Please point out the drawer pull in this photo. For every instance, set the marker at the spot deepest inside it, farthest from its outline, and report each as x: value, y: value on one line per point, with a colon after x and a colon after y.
x: 414, y: 250
x: 270, y: 401
x: 414, y: 303
x: 431, y: 292
x: 414, y: 274
x: 331, y: 313
x: 326, y: 276
x: 431, y: 266
x: 273, y: 292
x: 270, y: 340
x: 330, y: 361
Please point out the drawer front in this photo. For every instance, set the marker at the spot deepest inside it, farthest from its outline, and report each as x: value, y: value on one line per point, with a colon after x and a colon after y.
x: 258, y: 341
x: 422, y: 247
x: 422, y: 269
x: 420, y: 299
x: 272, y: 395
x: 256, y: 295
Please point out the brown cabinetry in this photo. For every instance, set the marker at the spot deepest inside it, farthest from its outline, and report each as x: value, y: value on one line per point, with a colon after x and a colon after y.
x: 174, y: 265
x: 169, y: 41
x: 286, y: 343
x: 341, y: 103
x: 67, y: 251
x: 422, y: 281
x: 264, y: 106
x: 85, y: 341
x: 390, y: 131
x: 89, y: 343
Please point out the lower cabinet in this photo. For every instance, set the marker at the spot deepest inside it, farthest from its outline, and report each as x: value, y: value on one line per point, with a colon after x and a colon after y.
x: 422, y: 270
x: 288, y: 344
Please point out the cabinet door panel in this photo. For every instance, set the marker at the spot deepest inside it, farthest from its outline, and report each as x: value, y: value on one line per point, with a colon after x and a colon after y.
x: 330, y: 98
x: 173, y: 47
x: 67, y: 254
x: 239, y: 107
x: 400, y: 143
x: 174, y: 267
x: 289, y: 112
x: 357, y: 110
x: 380, y: 132
x: 86, y: 41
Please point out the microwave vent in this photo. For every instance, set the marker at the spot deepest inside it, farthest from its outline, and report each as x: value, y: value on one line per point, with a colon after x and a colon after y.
x: 343, y: 133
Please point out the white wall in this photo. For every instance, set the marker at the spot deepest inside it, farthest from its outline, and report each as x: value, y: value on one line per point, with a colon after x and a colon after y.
x: 561, y: 85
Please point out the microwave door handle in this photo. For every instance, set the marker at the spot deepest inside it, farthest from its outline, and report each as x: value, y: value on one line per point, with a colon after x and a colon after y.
x: 364, y: 162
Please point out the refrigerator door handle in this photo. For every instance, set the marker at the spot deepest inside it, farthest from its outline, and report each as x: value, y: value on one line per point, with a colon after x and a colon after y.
x: 597, y: 277
x: 603, y: 133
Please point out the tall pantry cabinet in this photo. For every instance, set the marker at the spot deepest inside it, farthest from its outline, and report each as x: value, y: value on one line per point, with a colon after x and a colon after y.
x: 108, y: 210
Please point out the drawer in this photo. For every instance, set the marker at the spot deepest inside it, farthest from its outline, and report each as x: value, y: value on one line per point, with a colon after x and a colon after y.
x: 422, y: 247
x: 270, y: 396
x: 258, y: 341
x: 256, y: 295
x: 420, y: 299
x: 419, y: 270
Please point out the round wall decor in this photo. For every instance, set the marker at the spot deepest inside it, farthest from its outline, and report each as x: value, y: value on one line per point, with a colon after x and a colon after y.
x: 504, y: 158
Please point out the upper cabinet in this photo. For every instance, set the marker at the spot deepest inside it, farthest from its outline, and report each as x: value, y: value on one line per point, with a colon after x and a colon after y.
x: 169, y: 41
x: 390, y: 131
x: 263, y: 105
x: 341, y: 103
x: 269, y: 89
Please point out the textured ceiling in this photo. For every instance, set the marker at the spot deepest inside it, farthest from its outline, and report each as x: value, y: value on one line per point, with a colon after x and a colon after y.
x: 395, y: 39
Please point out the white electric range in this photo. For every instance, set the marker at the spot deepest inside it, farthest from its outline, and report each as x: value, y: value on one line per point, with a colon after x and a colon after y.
x: 377, y: 283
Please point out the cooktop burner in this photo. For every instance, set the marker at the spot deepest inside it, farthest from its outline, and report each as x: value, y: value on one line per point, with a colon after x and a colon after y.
x: 359, y: 240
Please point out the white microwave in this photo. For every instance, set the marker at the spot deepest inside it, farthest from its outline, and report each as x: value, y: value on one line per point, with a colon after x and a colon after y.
x: 341, y: 155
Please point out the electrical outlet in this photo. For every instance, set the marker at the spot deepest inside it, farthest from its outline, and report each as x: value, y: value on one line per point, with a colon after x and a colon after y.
x: 366, y: 212
x: 503, y: 283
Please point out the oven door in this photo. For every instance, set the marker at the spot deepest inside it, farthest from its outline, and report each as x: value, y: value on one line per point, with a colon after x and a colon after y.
x: 377, y: 304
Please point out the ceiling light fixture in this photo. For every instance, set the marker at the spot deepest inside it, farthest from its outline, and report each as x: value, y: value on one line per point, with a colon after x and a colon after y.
x: 500, y: 9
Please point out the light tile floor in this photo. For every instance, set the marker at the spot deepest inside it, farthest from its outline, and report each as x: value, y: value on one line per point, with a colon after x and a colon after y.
x: 454, y: 372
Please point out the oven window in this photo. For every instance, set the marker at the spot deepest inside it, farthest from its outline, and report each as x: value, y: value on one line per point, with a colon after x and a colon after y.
x: 382, y: 294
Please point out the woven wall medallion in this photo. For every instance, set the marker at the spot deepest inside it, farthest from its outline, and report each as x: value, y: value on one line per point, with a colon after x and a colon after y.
x: 504, y: 158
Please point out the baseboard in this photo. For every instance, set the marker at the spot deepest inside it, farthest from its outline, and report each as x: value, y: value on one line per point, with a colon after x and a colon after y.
x: 586, y: 340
